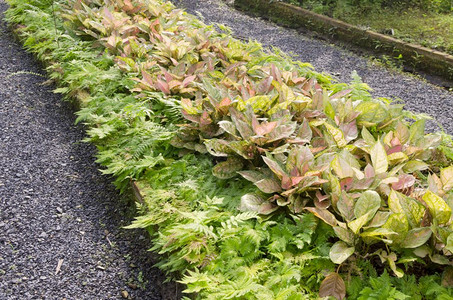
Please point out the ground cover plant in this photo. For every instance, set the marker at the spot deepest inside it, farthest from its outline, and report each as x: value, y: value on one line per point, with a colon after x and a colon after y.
x: 426, y: 23
x: 260, y: 178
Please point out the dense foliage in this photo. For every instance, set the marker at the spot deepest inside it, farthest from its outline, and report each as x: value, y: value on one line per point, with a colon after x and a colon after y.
x: 318, y: 173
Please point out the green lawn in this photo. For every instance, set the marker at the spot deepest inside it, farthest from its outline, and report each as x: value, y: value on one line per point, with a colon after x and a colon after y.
x: 425, y: 27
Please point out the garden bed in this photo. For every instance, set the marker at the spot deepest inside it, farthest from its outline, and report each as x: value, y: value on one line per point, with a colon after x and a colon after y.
x: 259, y: 178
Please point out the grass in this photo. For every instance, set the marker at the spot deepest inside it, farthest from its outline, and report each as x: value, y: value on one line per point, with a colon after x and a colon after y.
x: 429, y: 29
x: 425, y: 27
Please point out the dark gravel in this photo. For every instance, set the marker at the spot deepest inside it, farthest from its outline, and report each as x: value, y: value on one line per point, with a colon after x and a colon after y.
x: 55, y: 205
x: 418, y: 95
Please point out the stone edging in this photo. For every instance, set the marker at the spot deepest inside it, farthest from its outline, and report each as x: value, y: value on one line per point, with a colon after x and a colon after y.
x: 413, y: 56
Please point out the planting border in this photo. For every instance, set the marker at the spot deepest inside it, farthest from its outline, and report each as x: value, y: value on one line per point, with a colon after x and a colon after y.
x: 414, y: 56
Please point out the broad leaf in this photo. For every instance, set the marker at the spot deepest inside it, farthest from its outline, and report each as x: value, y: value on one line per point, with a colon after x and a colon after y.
x: 336, y: 134
x: 250, y: 202
x: 379, y: 158
x: 438, y: 208
x: 446, y: 176
x: 333, y: 286
x: 344, y: 234
x: 369, y: 202
x: 340, y: 252
x: 400, y: 203
x: 416, y: 237
x: 227, y: 169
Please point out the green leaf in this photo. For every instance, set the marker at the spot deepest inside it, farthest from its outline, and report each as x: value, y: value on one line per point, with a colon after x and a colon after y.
x: 416, y: 237
x: 336, y: 134
x: 251, y: 202
x: 344, y: 234
x: 358, y: 223
x: 446, y: 176
x: 449, y: 245
x: 227, y: 169
x: 379, y: 158
x: 438, y: 208
x: 218, y: 147
x: 417, y: 131
x: 379, y: 219
x: 402, y: 133
x: 400, y: 203
x: 377, y: 232
x: 340, y: 252
x: 324, y: 215
x: 368, y: 137
x: 268, y: 185
x: 368, y: 202
x: 399, y: 224
x: 415, y: 165
x: 333, y: 286
x: 275, y: 167
x: 371, y: 113
x: 341, y: 167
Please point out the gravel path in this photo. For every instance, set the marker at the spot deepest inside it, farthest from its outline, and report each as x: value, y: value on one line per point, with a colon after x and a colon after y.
x: 418, y: 95
x: 54, y: 204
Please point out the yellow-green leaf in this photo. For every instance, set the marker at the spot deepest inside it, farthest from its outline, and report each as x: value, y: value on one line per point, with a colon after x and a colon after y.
x: 416, y: 237
x: 336, y: 134
x: 379, y: 158
x: 400, y: 203
x: 446, y: 176
x: 340, y: 252
x: 438, y: 208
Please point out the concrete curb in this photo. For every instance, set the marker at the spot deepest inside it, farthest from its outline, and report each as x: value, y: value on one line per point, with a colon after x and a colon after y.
x: 413, y: 56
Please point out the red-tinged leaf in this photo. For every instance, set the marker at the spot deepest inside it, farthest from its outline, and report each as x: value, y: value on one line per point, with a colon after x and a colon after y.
x: 163, y: 86
x: 274, y: 166
x: 334, y: 286
x: 296, y: 180
x: 190, y: 117
x: 268, y: 185
x: 264, y: 128
x: 205, y: 119
x: 405, y: 181
x: 321, y: 197
x: 275, y: 72
x: 286, y: 182
x: 346, y: 183
x: 324, y: 215
x: 369, y: 171
x: 147, y: 78
x: 394, y: 149
x: 350, y: 131
x: 188, y: 80
x: 108, y: 15
x: 252, y: 176
x: 305, y: 133
x: 341, y: 94
x: 298, y: 80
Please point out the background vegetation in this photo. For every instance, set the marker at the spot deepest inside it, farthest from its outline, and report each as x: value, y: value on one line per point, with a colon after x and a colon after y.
x: 425, y: 22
